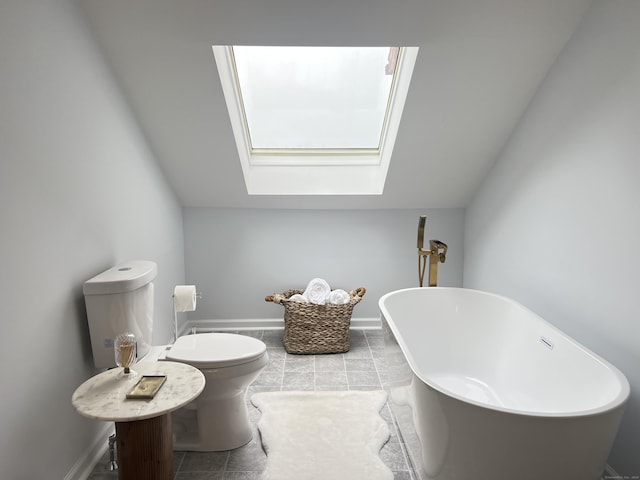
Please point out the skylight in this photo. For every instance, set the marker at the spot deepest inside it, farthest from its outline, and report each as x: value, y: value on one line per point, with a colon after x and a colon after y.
x: 315, y: 120
x: 316, y: 97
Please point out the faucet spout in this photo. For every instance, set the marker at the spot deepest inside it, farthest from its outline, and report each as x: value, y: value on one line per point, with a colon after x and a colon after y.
x: 437, y: 254
x: 438, y: 251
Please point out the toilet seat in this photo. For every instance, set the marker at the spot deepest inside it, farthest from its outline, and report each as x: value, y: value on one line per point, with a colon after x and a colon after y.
x: 216, y: 350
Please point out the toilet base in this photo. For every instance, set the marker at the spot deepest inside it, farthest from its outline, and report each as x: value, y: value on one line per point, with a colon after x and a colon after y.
x: 218, y: 419
x: 212, y: 426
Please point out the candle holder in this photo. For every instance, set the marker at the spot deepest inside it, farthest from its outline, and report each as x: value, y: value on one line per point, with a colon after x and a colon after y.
x: 124, y: 348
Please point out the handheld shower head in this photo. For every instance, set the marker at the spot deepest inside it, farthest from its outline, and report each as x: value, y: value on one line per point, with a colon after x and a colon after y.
x: 421, y: 223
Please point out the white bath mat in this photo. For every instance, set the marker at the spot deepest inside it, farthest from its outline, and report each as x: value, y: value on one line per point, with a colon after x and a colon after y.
x: 323, y: 435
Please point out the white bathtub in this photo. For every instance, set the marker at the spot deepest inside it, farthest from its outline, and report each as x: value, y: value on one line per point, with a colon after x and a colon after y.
x: 484, y: 389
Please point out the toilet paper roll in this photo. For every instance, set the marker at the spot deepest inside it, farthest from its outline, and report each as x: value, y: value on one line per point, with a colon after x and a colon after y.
x: 184, y: 298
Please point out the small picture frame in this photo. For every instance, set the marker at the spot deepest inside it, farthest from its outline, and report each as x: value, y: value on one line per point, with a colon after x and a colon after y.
x: 147, y: 387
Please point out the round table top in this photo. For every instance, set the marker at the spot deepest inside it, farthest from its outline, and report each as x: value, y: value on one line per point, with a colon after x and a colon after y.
x: 103, y: 397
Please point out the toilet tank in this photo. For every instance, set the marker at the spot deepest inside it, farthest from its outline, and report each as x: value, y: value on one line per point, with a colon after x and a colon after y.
x: 120, y: 300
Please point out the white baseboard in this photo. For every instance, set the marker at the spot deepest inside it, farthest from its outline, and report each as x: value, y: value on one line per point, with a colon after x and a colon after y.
x: 261, y: 324
x: 87, y: 462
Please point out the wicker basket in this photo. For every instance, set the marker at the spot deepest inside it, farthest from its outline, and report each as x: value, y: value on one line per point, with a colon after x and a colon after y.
x: 310, y: 328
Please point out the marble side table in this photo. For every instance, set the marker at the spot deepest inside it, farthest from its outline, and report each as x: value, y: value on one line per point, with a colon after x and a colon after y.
x: 143, y: 427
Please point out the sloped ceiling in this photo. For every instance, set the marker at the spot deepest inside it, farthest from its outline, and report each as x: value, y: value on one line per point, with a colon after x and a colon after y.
x: 480, y: 63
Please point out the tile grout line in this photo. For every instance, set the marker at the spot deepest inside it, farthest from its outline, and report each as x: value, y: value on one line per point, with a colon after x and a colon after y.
x: 373, y: 359
x: 346, y: 376
x: 226, y: 465
x: 315, y: 379
x: 284, y: 371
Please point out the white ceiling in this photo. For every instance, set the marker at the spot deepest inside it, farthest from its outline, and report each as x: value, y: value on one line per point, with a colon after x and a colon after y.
x: 480, y: 63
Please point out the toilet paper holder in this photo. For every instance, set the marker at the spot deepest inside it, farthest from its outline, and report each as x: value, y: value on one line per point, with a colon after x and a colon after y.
x: 184, y: 300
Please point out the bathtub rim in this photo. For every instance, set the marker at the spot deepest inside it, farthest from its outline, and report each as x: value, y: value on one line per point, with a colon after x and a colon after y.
x: 618, y: 401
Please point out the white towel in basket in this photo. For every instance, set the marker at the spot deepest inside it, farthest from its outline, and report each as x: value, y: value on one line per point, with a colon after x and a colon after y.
x: 317, y: 291
x: 338, y: 297
x: 298, y: 298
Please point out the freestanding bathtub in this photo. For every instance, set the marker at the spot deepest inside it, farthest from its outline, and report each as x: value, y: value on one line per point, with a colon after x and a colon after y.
x: 484, y: 389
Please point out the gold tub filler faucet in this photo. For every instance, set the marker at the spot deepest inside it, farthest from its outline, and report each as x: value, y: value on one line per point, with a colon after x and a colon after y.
x: 437, y: 253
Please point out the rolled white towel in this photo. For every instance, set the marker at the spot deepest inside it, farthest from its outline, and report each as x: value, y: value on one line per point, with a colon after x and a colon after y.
x: 317, y: 291
x: 298, y: 298
x: 338, y: 297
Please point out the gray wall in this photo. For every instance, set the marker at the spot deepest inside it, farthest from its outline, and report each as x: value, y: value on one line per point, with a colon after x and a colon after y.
x: 237, y: 256
x: 556, y: 224
x: 79, y: 191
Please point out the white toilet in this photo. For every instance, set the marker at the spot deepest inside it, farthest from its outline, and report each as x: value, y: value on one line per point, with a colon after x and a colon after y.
x: 121, y: 299
x: 217, y: 419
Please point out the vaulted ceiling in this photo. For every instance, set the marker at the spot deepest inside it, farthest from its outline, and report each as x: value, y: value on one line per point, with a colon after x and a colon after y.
x: 479, y: 65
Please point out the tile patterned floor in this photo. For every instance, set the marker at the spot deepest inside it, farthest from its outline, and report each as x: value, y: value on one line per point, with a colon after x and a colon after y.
x: 362, y: 368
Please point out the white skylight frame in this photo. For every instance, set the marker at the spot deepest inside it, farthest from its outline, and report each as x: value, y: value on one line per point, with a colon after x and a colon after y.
x: 315, y: 172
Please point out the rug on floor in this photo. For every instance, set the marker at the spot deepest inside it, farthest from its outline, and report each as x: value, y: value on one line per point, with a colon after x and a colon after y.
x: 323, y: 435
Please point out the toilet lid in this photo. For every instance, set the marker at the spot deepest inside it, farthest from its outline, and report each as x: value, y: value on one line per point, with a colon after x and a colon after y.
x: 215, y: 350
